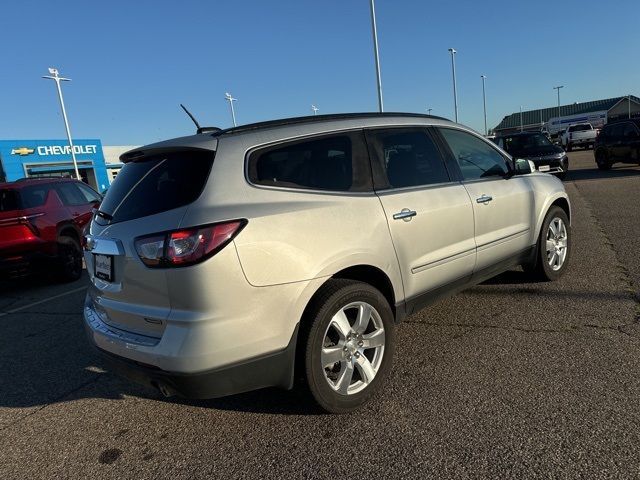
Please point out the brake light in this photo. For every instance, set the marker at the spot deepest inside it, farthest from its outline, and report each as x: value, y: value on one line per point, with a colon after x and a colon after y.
x: 186, y: 247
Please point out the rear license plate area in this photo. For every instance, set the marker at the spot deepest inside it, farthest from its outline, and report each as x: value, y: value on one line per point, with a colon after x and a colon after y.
x: 103, y: 267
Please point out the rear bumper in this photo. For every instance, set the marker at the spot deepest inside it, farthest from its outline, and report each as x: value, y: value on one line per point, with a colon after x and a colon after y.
x: 16, y: 264
x: 272, y: 370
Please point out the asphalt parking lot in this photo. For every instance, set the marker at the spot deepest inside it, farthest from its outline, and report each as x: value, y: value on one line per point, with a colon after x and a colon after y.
x: 509, y: 379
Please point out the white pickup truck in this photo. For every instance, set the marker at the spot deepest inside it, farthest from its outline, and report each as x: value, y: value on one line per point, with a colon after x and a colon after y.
x: 578, y: 135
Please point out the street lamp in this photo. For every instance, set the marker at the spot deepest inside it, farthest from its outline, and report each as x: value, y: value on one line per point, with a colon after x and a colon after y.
x: 484, y: 103
x: 558, y: 89
x: 520, y: 117
x: 377, y: 56
x: 56, y: 78
x: 228, y: 96
x: 429, y: 111
x: 315, y: 109
x: 453, y: 52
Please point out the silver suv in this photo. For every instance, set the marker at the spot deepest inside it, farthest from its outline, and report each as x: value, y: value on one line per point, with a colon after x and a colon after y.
x: 252, y: 257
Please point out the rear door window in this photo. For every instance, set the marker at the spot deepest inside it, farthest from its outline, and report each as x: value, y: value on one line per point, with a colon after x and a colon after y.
x: 70, y: 194
x: 34, y: 196
x: 406, y: 157
x: 156, y: 184
x: 335, y: 163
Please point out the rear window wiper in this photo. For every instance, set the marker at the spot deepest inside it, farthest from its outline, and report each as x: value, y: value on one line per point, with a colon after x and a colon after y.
x: 102, y: 214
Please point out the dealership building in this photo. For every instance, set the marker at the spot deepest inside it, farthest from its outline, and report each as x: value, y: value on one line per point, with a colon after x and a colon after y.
x: 97, y: 165
x: 553, y: 119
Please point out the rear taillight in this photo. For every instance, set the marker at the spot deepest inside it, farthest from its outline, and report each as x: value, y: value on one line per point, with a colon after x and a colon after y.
x: 186, y: 247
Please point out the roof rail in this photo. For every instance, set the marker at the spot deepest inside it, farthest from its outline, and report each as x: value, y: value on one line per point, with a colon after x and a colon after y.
x: 320, y: 118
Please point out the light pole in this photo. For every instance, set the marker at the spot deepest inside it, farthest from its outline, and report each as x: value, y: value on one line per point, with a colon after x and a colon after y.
x: 374, y: 30
x: 520, y: 117
x: 315, y: 109
x: 233, y: 112
x: 484, y: 103
x: 56, y: 78
x: 429, y: 111
x: 629, y: 99
x: 558, y: 89
x: 453, y: 52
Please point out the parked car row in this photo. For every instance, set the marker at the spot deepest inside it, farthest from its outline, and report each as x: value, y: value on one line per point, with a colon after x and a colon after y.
x: 618, y: 142
x: 578, y: 135
x: 41, y: 226
x: 263, y: 254
x: 536, y: 147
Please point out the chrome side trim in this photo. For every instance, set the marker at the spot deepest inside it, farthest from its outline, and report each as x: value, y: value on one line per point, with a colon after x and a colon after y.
x: 436, y: 263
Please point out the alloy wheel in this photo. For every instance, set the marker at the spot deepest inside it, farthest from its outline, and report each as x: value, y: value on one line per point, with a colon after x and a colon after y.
x: 556, y: 244
x: 353, y: 348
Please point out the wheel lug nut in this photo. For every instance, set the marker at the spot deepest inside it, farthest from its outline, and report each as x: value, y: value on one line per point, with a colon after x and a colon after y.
x: 360, y: 343
x: 357, y: 355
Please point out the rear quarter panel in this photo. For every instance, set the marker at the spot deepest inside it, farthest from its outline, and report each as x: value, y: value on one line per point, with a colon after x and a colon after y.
x: 293, y: 235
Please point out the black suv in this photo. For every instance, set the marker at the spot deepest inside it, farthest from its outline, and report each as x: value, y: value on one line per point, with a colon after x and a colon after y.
x: 618, y: 142
x: 537, y: 147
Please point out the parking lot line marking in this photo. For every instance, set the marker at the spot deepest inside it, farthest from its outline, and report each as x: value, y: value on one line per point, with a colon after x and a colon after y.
x: 24, y: 307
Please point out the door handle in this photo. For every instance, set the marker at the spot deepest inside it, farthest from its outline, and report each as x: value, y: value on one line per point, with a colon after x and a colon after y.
x: 484, y: 199
x: 404, y: 214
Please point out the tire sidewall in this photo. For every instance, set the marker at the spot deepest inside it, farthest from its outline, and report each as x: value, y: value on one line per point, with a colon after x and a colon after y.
x: 326, y: 397
x: 549, y: 273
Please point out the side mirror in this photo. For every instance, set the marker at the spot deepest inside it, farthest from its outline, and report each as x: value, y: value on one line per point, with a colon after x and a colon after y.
x: 523, y: 167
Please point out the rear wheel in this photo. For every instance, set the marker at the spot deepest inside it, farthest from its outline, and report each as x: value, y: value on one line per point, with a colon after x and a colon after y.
x: 553, y: 248
x: 602, y: 160
x: 69, y: 259
x: 349, y: 344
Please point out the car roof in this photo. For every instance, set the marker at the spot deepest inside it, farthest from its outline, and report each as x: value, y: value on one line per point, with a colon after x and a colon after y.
x: 636, y: 121
x: 25, y: 182
x: 291, y: 127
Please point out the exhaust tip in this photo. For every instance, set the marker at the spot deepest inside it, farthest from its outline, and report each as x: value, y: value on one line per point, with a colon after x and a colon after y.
x: 163, y: 389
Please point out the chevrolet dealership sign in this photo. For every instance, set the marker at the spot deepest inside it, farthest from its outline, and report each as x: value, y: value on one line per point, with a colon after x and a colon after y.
x: 46, y: 150
x: 23, y: 158
x: 66, y: 149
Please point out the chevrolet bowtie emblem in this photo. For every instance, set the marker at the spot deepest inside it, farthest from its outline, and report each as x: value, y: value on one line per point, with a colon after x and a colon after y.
x: 22, y: 151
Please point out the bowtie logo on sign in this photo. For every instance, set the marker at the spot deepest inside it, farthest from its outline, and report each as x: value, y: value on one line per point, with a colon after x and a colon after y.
x: 22, y: 151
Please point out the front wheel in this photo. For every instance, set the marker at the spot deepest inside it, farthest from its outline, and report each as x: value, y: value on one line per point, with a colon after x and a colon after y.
x: 553, y: 248
x: 349, y: 345
x: 602, y: 161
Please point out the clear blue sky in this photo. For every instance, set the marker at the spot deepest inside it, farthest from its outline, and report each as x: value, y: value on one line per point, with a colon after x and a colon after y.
x: 133, y: 62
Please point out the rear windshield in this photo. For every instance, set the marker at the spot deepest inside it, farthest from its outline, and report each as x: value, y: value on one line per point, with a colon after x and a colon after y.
x: 156, y: 184
x: 579, y: 128
x: 9, y: 200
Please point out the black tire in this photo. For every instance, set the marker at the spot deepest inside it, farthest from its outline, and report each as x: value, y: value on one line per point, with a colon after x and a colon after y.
x: 602, y: 161
x: 69, y: 259
x: 331, y: 299
x: 540, y: 269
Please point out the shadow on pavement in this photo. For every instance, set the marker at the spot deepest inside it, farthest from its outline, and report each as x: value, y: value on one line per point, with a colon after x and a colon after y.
x: 617, y: 171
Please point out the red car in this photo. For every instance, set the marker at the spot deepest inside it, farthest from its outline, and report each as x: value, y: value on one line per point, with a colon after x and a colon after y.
x: 41, y: 225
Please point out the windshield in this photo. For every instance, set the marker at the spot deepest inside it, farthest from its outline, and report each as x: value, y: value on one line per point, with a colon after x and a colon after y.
x: 580, y: 128
x: 156, y: 184
x: 526, y: 142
